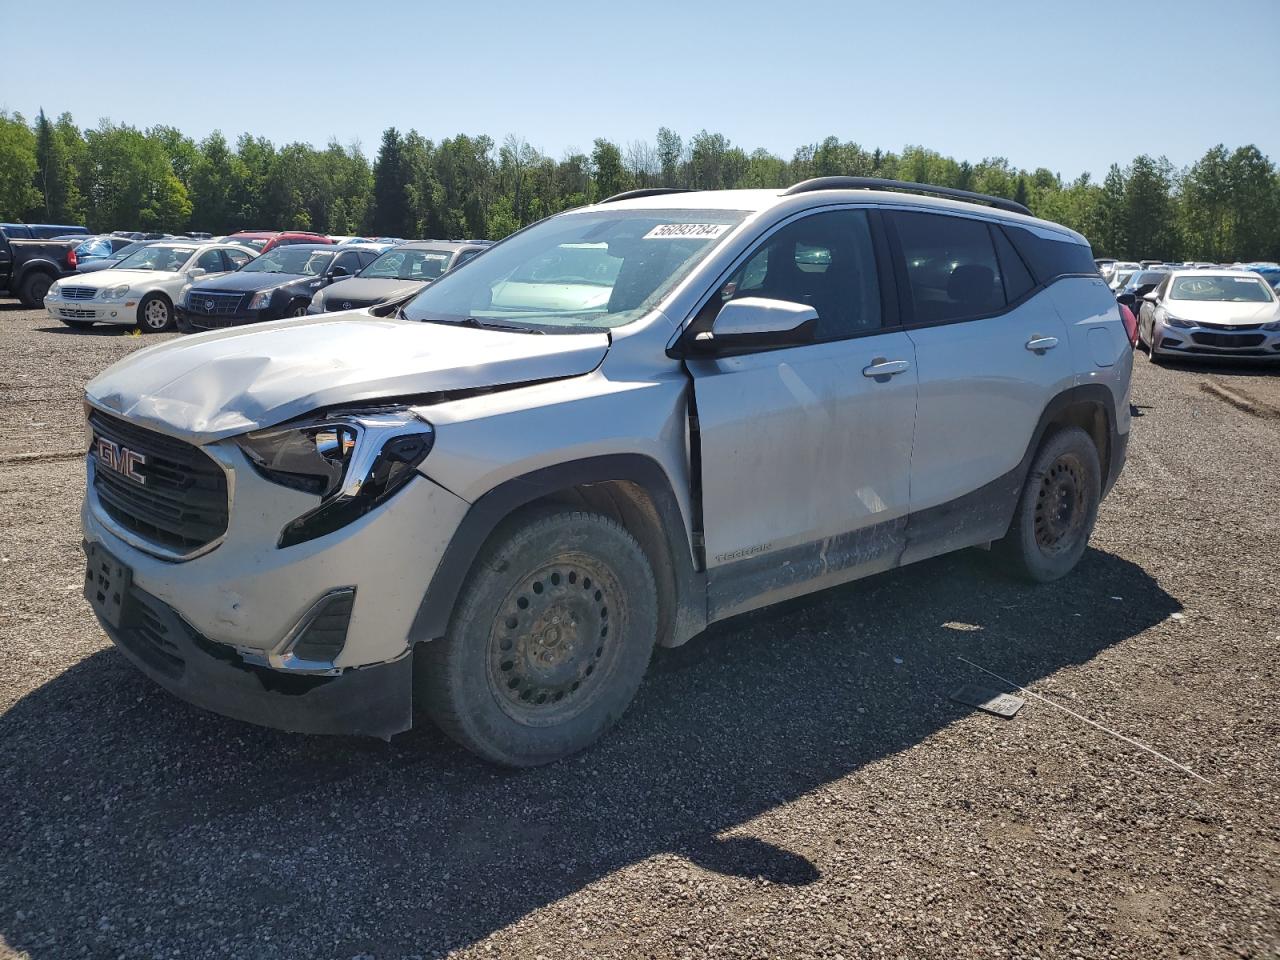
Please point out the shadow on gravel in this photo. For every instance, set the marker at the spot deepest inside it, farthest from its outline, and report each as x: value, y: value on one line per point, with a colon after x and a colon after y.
x: 135, y: 824
x: 97, y: 330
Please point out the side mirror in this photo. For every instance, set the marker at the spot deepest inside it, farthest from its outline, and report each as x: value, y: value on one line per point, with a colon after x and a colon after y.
x: 1151, y: 297
x: 196, y: 272
x: 1128, y: 299
x: 337, y: 273
x: 759, y: 323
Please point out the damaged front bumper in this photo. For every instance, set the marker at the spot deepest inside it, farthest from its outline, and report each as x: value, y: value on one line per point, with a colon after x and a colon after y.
x: 369, y: 701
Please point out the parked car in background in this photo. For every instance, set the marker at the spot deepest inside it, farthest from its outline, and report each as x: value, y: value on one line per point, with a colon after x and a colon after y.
x: 140, y: 289
x: 100, y: 248
x: 264, y: 240
x: 106, y: 263
x: 1120, y: 274
x: 29, y: 267
x: 1139, y: 284
x: 397, y: 271
x: 1222, y: 313
x: 1270, y: 273
x: 41, y: 231
x: 279, y: 283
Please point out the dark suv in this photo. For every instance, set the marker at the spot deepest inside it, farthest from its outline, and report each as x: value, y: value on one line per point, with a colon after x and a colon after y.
x: 279, y: 283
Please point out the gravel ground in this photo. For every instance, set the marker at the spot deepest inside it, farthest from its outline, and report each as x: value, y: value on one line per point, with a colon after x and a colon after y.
x: 792, y: 784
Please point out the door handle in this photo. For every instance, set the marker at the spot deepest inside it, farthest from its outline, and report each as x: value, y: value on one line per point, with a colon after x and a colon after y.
x: 1039, y: 344
x: 882, y: 369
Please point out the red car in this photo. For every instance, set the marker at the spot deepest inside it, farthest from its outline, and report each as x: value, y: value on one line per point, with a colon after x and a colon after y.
x: 264, y: 240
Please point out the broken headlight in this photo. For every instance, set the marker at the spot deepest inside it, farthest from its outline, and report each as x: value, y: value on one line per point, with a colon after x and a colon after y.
x: 352, y: 461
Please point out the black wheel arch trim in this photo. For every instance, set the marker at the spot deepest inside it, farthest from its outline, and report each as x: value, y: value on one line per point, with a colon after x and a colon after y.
x: 689, y: 604
x: 1086, y: 394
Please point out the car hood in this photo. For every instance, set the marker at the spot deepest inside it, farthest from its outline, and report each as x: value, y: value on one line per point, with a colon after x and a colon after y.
x: 111, y: 278
x: 214, y: 385
x: 1214, y: 311
x: 250, y: 282
x: 367, y: 289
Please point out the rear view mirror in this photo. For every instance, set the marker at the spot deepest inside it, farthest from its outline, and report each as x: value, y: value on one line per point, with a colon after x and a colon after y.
x: 756, y: 323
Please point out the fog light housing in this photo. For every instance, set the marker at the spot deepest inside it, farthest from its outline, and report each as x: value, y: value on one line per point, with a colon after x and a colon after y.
x: 319, y: 637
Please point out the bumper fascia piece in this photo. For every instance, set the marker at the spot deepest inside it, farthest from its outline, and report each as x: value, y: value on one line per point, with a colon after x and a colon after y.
x: 374, y: 701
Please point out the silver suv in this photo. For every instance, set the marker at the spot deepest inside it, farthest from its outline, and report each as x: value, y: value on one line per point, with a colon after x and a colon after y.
x: 611, y: 429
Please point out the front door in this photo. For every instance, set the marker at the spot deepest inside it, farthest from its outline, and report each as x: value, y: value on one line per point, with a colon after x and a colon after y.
x: 805, y: 451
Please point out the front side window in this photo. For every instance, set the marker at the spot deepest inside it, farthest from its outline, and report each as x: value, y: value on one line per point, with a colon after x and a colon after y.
x: 236, y: 258
x: 1221, y: 289
x: 294, y: 260
x: 577, y: 272
x: 210, y: 261
x: 170, y: 259
x: 951, y: 266
x: 826, y: 261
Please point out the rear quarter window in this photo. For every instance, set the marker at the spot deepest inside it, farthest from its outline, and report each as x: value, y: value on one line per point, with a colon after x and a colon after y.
x: 1049, y: 259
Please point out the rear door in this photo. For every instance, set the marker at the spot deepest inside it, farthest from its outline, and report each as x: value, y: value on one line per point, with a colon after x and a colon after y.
x: 991, y: 351
x: 805, y: 451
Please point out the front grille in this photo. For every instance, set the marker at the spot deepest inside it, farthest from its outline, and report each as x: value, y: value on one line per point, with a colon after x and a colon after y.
x: 202, y: 322
x: 214, y: 303
x: 1228, y: 339
x: 182, y: 505
x: 76, y: 313
x: 78, y: 293
x: 1230, y: 326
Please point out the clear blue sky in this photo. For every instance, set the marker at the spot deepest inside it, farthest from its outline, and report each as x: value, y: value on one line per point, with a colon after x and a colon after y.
x: 1061, y: 85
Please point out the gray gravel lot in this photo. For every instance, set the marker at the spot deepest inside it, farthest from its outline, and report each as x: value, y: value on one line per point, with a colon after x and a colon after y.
x: 791, y: 784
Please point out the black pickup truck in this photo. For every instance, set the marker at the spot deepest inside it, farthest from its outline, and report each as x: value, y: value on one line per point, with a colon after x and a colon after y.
x: 29, y: 267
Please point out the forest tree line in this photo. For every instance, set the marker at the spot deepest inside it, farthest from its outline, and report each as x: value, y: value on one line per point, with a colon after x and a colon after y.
x: 1225, y: 207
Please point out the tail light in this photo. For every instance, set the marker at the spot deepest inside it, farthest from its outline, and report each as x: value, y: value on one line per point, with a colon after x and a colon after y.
x: 1130, y: 324
x: 71, y: 259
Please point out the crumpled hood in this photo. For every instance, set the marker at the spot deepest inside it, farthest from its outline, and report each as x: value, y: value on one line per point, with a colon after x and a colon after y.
x: 368, y: 289
x: 214, y: 385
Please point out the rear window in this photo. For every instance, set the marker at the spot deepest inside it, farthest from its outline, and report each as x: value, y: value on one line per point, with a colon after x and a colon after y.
x: 1051, y: 258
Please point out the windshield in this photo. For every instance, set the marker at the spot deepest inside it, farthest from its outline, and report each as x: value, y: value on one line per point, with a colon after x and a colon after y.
x: 579, y: 271
x: 1222, y: 289
x: 408, y: 265
x: 171, y: 259
x: 256, y: 242
x: 130, y: 248
x: 291, y: 259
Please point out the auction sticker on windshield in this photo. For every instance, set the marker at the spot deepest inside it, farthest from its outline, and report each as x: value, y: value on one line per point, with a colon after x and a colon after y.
x: 687, y: 231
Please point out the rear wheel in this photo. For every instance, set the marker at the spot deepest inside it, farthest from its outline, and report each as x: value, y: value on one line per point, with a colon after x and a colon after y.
x: 155, y: 313
x: 1057, y: 509
x: 33, y: 290
x: 548, y: 643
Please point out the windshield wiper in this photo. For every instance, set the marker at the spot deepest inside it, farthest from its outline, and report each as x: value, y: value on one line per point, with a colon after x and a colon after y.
x: 493, y: 325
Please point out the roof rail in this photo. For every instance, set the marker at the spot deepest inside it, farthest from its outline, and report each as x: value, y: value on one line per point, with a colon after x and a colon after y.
x: 646, y: 192
x: 903, y: 186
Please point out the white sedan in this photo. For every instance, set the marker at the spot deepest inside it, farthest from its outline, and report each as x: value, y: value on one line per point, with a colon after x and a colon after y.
x: 141, y: 289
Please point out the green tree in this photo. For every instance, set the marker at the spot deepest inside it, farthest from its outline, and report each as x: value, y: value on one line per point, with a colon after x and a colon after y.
x: 17, y: 167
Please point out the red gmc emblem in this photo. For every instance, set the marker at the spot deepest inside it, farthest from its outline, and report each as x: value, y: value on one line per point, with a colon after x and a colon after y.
x: 120, y: 459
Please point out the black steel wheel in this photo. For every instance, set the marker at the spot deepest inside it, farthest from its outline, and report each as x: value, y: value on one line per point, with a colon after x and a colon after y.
x: 549, y: 639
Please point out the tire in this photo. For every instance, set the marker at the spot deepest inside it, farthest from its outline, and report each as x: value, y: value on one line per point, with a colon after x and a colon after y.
x: 33, y: 289
x: 77, y: 324
x: 297, y: 310
x: 1044, y: 543
x: 155, y: 313
x: 549, y: 640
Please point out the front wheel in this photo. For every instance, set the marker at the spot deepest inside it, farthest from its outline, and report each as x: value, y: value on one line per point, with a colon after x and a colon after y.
x: 155, y: 314
x: 548, y: 643
x: 1057, y: 509
x: 297, y: 310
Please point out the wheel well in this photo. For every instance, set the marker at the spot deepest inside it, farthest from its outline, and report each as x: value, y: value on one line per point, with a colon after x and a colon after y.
x: 632, y: 506
x: 1090, y: 417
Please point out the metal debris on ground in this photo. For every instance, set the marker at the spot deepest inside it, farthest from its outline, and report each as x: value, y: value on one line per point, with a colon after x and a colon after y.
x: 992, y: 701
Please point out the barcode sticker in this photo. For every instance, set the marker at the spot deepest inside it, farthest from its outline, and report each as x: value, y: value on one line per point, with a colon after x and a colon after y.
x: 686, y: 231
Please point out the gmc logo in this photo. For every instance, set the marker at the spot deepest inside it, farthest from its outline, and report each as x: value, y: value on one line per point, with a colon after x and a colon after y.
x: 121, y: 459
